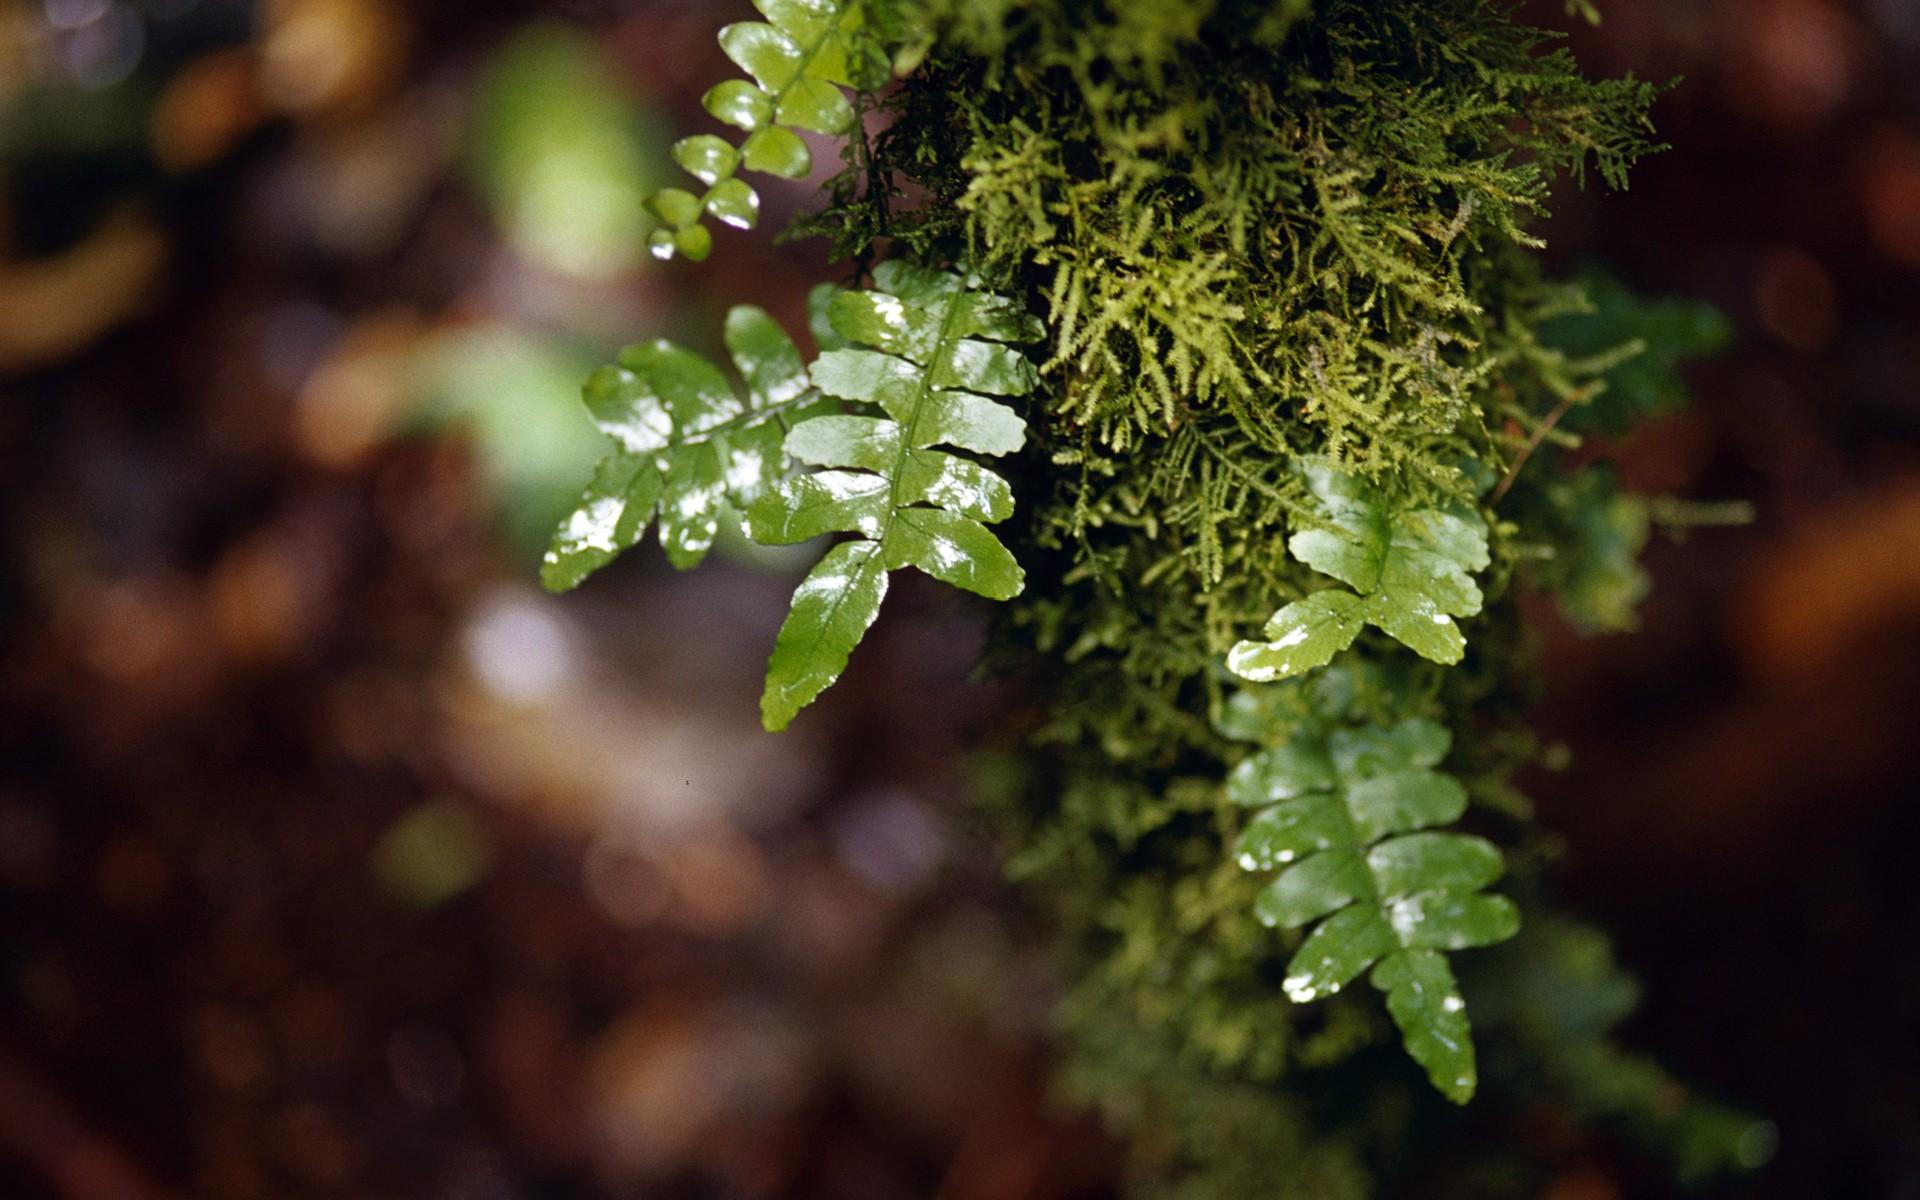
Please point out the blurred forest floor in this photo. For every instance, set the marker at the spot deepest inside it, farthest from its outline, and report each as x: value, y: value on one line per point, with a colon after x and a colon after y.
x: 336, y: 860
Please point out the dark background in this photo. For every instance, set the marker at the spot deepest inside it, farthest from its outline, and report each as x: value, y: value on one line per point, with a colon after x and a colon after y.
x: 336, y: 860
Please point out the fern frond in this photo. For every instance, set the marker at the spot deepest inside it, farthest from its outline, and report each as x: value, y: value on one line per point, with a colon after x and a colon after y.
x: 685, y: 445
x: 939, y: 349
x: 1595, y: 565
x: 1349, y: 816
x: 800, y: 58
x: 1410, y: 568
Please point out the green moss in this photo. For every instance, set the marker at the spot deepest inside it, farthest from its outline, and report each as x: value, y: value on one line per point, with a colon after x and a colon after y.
x: 1284, y: 260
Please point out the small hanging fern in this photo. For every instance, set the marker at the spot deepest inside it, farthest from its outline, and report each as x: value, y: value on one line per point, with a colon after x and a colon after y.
x: 686, y: 447
x: 939, y: 350
x: 1259, y: 235
x: 1346, y: 813
x: 800, y: 58
x: 1411, y: 569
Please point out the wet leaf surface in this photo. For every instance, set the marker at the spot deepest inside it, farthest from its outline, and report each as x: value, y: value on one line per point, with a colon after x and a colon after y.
x: 1411, y: 571
x: 688, y: 450
x: 1348, y: 817
x: 884, y: 480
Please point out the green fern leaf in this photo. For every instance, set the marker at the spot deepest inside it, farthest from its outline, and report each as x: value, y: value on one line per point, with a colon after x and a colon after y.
x: 1596, y: 565
x: 1411, y: 571
x: 939, y: 350
x: 1641, y: 345
x: 1348, y: 816
x: 686, y: 446
x: 799, y: 58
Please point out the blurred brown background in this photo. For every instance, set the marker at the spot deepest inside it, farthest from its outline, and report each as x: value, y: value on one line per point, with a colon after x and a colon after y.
x: 336, y: 860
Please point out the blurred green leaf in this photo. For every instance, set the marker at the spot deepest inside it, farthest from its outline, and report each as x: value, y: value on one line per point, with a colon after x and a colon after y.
x: 1596, y: 568
x: 517, y: 396
x: 431, y: 854
x: 564, y: 158
x: 1642, y: 344
x: 1555, y: 994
